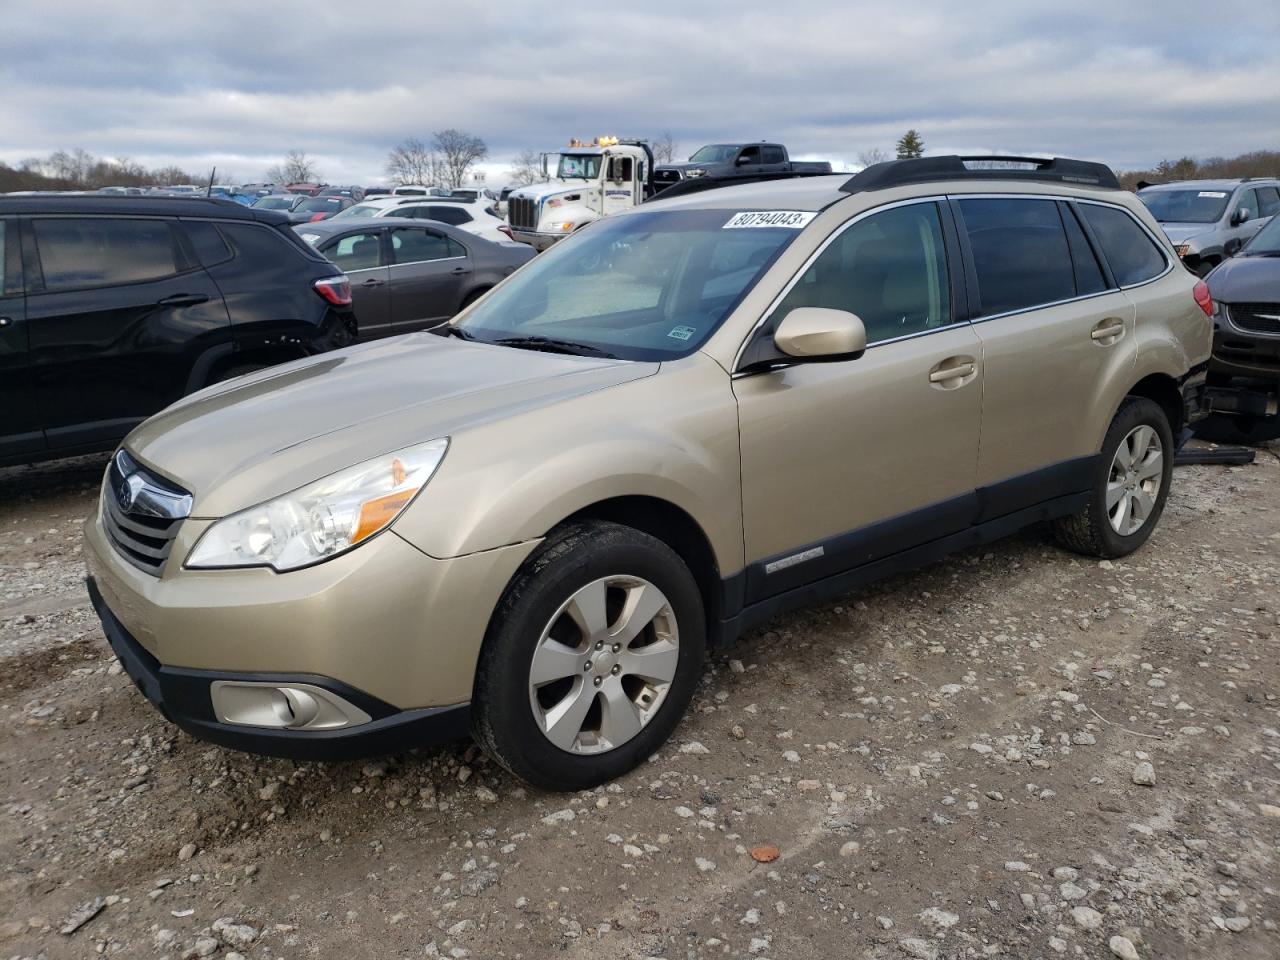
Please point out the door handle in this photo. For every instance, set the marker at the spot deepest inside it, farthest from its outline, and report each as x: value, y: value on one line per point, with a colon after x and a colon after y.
x: 458, y: 270
x: 183, y: 300
x: 372, y: 283
x: 952, y: 369
x: 1108, y: 331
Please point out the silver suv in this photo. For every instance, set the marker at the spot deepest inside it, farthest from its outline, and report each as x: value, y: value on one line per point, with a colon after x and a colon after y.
x: 669, y: 428
x: 1210, y: 220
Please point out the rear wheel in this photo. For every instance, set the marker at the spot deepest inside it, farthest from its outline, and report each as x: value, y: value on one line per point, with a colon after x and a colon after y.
x: 1131, y: 485
x: 591, y: 659
x: 1225, y: 428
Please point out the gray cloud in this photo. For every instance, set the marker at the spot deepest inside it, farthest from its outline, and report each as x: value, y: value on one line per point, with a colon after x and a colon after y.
x: 239, y: 83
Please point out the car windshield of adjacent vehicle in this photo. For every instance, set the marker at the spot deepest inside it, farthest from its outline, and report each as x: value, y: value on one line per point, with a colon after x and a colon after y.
x: 1266, y: 242
x: 360, y: 210
x: 715, y: 153
x: 579, y: 166
x: 278, y: 202
x: 1186, y: 206
x: 319, y: 205
x: 648, y: 286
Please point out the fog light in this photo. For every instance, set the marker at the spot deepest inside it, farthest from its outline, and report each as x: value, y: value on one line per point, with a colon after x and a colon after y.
x: 282, y: 706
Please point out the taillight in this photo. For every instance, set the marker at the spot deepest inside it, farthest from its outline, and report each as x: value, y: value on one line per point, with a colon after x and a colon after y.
x: 317, y: 216
x: 337, y: 290
x: 1201, y: 293
x: 503, y: 228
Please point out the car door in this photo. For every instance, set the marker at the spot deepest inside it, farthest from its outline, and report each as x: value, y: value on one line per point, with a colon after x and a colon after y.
x: 20, y: 431
x: 360, y: 256
x: 118, y: 317
x: 619, y: 184
x: 848, y: 462
x: 429, y: 273
x: 1057, y: 341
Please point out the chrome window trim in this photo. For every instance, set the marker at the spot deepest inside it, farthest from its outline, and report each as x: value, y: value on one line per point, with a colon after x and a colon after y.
x: 809, y: 261
x: 935, y: 198
x: 409, y: 263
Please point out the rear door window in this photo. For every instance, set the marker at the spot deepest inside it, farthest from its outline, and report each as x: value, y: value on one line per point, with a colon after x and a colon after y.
x: 360, y: 251
x: 102, y: 251
x: 1132, y: 255
x: 771, y: 154
x: 1020, y: 253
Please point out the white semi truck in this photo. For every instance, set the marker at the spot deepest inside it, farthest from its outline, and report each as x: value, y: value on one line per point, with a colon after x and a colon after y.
x: 591, y: 180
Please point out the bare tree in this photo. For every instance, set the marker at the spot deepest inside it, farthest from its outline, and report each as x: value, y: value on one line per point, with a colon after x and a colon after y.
x: 458, y: 152
x: 412, y: 161
x: 873, y: 156
x: 664, y: 148
x: 296, y: 168
x: 526, y: 168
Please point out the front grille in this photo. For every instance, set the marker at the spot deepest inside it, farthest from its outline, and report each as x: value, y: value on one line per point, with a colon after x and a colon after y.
x: 1255, y: 317
x: 522, y: 213
x: 141, y: 513
x: 666, y: 177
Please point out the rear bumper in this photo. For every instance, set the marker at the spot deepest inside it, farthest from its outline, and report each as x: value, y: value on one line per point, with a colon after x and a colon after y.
x: 1195, y: 395
x: 183, y: 696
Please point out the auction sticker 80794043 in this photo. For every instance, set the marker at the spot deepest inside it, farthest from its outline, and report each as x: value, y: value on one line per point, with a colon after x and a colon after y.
x: 792, y: 219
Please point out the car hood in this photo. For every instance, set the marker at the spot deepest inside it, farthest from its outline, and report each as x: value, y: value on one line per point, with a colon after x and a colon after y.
x: 1182, y: 232
x: 685, y: 166
x: 541, y: 191
x: 236, y: 444
x: 1246, y: 280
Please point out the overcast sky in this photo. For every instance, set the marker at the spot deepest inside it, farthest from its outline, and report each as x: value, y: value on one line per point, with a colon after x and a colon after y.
x: 238, y: 83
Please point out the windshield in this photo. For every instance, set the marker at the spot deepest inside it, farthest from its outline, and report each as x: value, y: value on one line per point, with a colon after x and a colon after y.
x: 319, y: 205
x: 579, y: 166
x: 275, y: 203
x: 1186, y: 206
x: 715, y: 153
x: 648, y: 286
x: 1266, y: 242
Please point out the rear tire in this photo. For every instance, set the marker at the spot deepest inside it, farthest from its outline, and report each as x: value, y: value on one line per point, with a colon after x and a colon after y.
x: 1225, y: 428
x: 554, y: 726
x: 1126, y: 488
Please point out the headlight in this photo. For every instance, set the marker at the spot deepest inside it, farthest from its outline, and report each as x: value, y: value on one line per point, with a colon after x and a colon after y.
x: 558, y: 226
x: 695, y: 172
x: 322, y: 519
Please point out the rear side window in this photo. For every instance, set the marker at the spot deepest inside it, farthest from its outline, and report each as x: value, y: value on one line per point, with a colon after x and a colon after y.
x: 1132, y: 255
x: 1089, y: 278
x: 98, y: 252
x: 207, y: 242
x: 1020, y: 253
x: 453, y: 215
x: 889, y: 268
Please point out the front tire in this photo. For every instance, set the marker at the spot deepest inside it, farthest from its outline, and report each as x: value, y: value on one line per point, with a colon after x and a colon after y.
x: 1131, y: 486
x: 591, y: 657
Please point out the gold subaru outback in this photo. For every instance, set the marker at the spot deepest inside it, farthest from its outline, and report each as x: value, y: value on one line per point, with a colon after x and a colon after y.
x: 669, y: 428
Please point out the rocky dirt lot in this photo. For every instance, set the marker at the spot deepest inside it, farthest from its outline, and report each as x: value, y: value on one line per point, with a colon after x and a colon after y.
x: 1017, y: 753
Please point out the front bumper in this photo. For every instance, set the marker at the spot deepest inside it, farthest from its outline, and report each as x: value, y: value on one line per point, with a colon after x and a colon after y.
x: 183, y: 697
x: 539, y: 241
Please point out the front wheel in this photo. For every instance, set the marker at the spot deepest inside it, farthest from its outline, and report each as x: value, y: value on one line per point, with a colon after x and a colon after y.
x: 591, y: 658
x: 1130, y: 488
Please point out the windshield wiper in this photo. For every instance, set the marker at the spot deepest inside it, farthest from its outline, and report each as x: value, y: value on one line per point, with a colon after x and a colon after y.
x: 455, y: 331
x: 552, y: 345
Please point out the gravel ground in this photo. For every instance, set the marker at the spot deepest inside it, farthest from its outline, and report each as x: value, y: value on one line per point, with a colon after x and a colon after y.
x: 1016, y: 753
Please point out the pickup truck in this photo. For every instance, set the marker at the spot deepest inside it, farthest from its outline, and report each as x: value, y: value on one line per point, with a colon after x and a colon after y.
x: 736, y: 161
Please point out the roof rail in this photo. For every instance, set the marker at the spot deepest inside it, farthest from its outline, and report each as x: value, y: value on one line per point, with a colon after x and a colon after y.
x: 698, y: 184
x: 895, y: 173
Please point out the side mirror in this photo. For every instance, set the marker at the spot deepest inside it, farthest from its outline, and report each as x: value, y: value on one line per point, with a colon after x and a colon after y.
x: 1241, y: 215
x: 819, y: 333
x: 742, y: 160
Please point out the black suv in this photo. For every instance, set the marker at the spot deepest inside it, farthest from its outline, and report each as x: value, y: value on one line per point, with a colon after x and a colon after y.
x: 111, y: 308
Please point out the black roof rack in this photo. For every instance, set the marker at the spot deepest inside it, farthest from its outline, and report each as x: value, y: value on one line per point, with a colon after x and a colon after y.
x: 895, y: 173
x: 106, y: 203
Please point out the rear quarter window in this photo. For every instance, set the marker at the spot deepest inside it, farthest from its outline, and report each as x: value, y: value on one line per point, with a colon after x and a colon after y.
x: 1132, y: 255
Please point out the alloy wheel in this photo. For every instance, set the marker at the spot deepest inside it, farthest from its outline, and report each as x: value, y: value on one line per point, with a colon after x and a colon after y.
x: 604, y: 664
x: 1133, y: 485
